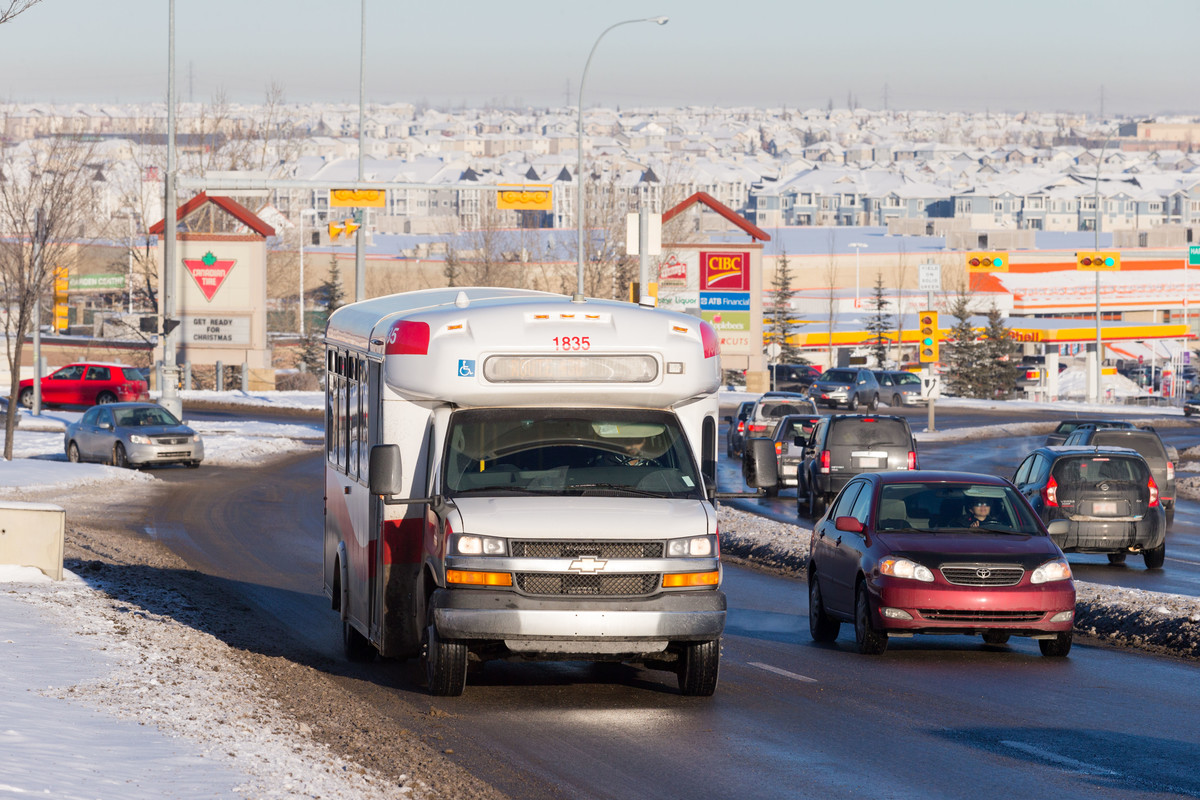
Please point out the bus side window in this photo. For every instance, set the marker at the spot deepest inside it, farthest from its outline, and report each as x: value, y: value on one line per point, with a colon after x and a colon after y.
x: 708, y: 451
x: 364, y: 415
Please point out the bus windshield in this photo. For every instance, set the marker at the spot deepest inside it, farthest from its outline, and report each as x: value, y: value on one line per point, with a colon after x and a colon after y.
x: 604, y: 452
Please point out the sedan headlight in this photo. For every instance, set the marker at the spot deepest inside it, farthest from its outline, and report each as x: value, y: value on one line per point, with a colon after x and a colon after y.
x: 903, y: 568
x: 195, y: 437
x: 1056, y: 570
x: 137, y: 438
x: 696, y: 547
x: 468, y: 545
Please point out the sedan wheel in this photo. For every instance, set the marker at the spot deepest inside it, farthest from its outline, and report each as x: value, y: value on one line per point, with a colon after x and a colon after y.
x: 870, y: 641
x: 852, y: 403
x: 822, y: 627
x: 104, y: 398
x: 896, y: 401
x: 119, y: 459
x: 73, y: 453
x: 816, y: 503
x: 25, y: 398
x: 1057, y: 647
x: 873, y: 403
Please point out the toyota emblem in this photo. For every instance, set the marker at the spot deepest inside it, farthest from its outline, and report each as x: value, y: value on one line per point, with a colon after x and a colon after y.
x: 983, y: 573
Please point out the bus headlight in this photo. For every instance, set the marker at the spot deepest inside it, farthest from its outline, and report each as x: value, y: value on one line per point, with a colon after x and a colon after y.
x: 695, y: 547
x: 468, y: 545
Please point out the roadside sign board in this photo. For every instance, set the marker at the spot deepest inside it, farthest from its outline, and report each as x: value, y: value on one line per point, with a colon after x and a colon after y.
x: 929, y: 277
x: 1194, y: 255
x: 356, y: 198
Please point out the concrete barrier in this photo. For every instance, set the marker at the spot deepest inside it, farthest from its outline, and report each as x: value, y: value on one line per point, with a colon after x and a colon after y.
x: 31, y: 535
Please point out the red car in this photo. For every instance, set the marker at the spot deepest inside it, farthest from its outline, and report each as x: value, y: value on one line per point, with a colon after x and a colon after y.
x: 89, y: 384
x: 908, y: 552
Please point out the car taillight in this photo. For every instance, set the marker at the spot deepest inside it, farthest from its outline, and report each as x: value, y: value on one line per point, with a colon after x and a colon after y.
x: 741, y: 426
x: 1170, y: 470
x: 1150, y: 484
x: 1050, y: 493
x: 912, y: 459
x: 825, y: 462
x: 778, y: 448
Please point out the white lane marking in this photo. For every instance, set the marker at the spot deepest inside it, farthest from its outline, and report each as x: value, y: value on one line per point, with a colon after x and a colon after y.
x: 1055, y: 758
x: 1185, y: 561
x: 783, y: 672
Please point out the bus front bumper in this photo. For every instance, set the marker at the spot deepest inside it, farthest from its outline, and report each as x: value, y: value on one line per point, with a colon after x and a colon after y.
x: 575, y: 625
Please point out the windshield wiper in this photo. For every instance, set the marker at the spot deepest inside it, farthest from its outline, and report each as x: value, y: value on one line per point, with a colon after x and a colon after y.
x: 613, y: 487
x: 500, y: 488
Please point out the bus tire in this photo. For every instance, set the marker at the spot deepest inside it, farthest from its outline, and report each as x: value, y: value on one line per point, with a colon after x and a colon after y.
x: 445, y: 664
x: 699, y: 664
x: 357, y: 647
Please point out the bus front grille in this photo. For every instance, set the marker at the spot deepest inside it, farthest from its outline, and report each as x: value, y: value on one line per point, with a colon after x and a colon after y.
x: 558, y: 585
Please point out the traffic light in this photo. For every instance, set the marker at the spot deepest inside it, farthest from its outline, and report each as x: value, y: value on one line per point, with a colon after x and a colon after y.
x: 346, y: 226
x: 1092, y: 260
x: 336, y: 229
x: 927, y: 350
x: 987, y: 262
x: 60, y: 299
x: 351, y: 226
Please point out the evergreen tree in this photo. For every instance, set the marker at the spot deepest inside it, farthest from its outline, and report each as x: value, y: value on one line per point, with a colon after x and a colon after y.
x: 328, y: 297
x: 878, y: 326
x: 962, y: 353
x: 780, y: 322
x: 999, y: 349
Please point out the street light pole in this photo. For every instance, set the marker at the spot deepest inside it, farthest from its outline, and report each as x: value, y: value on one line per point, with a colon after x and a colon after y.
x: 1096, y: 240
x: 303, y: 211
x: 579, y: 210
x: 858, y: 246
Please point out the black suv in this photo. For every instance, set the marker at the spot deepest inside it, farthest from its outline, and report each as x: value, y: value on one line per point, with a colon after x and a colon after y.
x: 1108, y: 496
x: 845, y: 445
x: 1068, y: 426
x: 1144, y: 440
x: 846, y: 386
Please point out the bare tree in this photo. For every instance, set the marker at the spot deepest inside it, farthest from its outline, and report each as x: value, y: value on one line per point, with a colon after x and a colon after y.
x: 46, y: 199
x: 12, y: 8
x: 830, y: 277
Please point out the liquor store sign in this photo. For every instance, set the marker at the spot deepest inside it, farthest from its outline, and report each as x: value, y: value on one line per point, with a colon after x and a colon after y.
x: 216, y: 331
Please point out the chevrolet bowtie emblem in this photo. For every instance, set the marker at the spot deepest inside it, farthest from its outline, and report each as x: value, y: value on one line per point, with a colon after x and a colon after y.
x: 587, y: 564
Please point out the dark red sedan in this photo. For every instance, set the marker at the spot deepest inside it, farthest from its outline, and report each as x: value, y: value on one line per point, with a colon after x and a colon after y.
x: 89, y: 384
x: 907, y: 552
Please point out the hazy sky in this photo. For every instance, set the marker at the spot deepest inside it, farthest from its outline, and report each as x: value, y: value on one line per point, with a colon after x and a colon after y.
x: 929, y: 54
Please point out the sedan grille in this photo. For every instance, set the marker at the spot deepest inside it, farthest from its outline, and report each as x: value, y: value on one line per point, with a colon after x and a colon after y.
x: 621, y: 585
x: 981, y: 615
x: 171, y: 439
x: 569, y: 549
x: 981, y: 575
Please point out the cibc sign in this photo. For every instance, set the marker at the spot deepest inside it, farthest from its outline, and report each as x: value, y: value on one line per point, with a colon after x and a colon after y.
x: 725, y: 272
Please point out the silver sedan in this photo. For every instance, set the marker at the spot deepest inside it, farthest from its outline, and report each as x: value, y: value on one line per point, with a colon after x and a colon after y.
x: 132, y: 435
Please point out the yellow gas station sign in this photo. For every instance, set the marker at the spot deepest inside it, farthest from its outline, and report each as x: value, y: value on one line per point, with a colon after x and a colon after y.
x: 525, y: 197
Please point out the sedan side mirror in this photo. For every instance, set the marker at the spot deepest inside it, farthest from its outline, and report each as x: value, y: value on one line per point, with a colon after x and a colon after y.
x: 848, y: 524
x: 105, y: 426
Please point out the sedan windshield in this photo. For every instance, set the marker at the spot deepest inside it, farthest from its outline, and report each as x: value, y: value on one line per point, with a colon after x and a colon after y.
x: 935, y: 507
x: 144, y: 415
x: 612, y: 452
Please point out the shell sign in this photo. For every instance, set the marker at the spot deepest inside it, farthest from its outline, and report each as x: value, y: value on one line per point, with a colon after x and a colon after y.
x: 725, y: 271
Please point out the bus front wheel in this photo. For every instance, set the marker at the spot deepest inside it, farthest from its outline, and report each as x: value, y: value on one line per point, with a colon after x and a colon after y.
x: 445, y: 663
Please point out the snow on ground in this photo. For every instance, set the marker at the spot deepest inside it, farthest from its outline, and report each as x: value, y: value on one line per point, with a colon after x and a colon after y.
x: 103, y: 698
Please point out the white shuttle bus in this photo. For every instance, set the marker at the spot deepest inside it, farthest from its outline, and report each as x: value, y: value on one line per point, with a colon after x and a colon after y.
x: 514, y: 475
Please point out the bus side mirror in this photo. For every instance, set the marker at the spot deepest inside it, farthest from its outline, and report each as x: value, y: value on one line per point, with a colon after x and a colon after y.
x: 386, y: 476
x: 759, y: 466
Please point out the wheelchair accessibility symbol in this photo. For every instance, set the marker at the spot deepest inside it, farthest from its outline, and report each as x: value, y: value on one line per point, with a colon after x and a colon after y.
x: 466, y: 368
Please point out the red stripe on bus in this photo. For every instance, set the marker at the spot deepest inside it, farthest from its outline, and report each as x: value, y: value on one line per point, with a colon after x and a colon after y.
x: 402, y: 541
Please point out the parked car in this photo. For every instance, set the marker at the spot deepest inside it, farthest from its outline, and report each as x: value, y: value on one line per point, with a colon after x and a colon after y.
x: 1144, y: 440
x: 4, y: 410
x: 1191, y: 405
x: 791, y: 436
x: 132, y: 435
x: 1107, y: 495
x: 735, y: 435
x: 899, y: 388
x: 846, y: 386
x: 845, y: 445
x: 89, y: 384
x: 935, y: 552
x: 1064, y: 429
x: 793, y: 377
